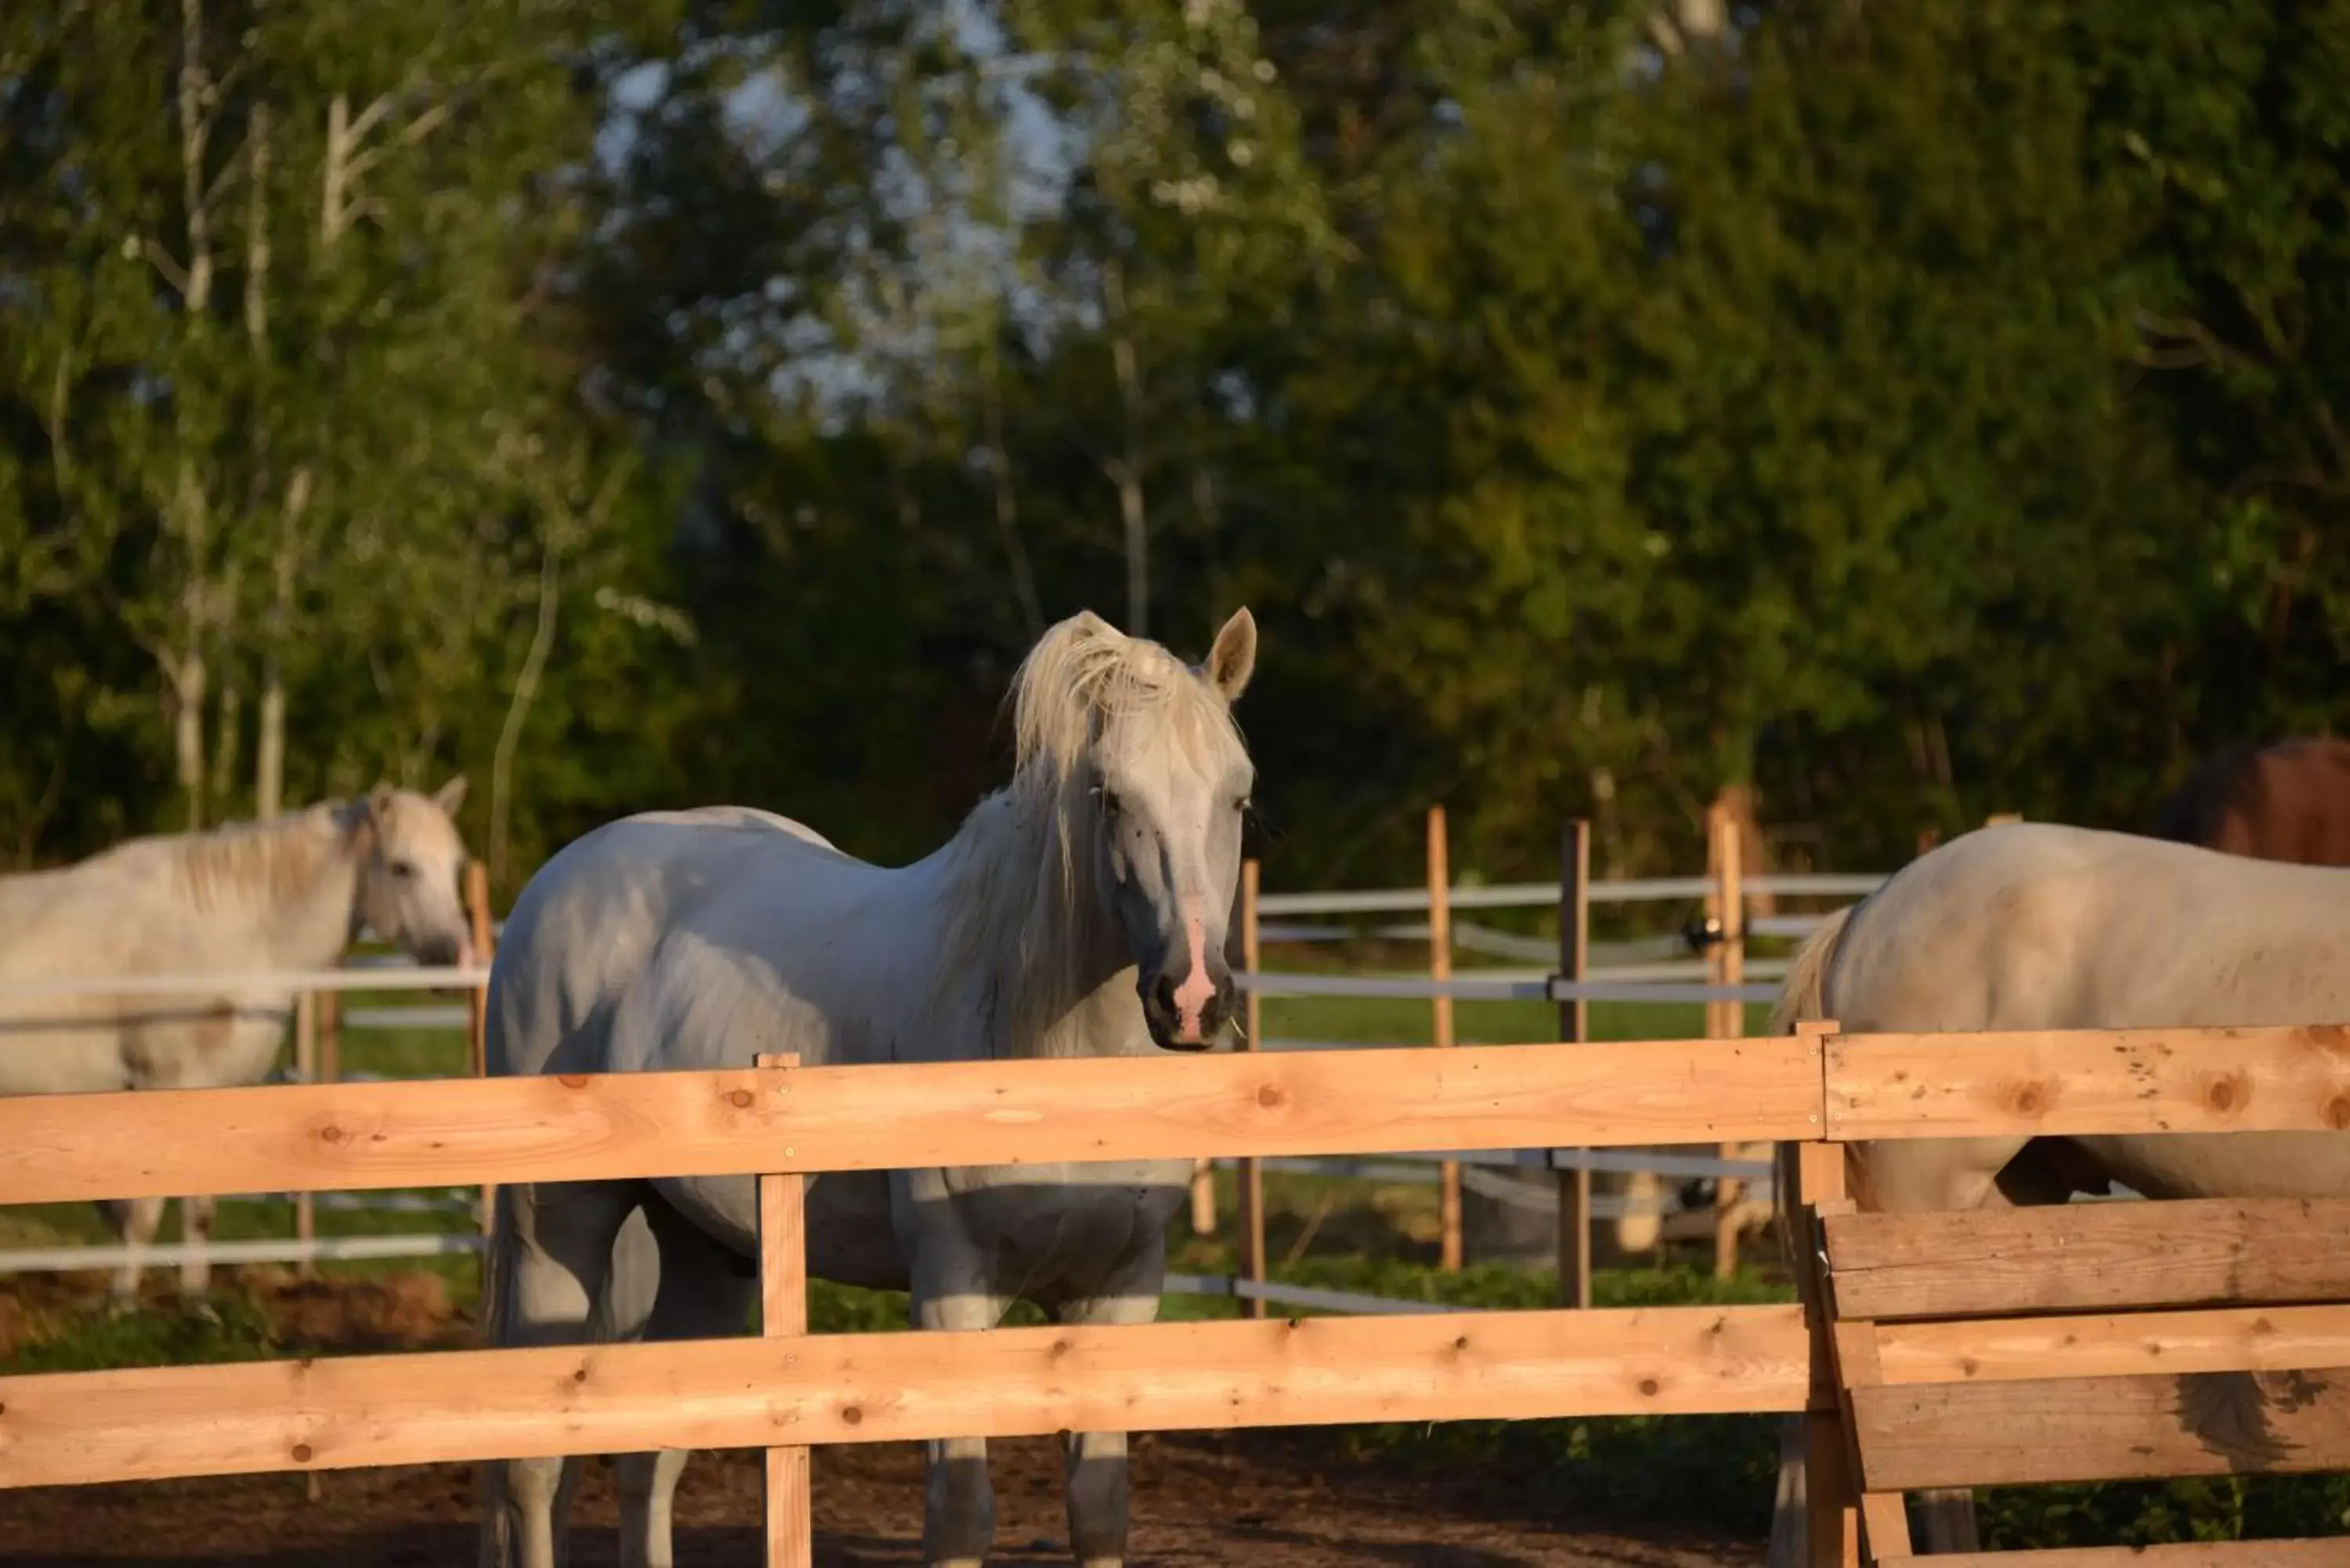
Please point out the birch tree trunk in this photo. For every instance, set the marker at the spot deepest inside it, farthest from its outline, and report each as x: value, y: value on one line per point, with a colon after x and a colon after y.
x: 185, y: 669
x: 1007, y: 508
x: 1125, y: 471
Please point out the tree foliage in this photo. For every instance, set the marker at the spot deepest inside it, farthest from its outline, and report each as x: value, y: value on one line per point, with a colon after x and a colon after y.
x: 1909, y: 410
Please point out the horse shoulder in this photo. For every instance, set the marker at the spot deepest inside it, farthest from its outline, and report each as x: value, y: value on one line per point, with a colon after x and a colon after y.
x: 705, y: 1001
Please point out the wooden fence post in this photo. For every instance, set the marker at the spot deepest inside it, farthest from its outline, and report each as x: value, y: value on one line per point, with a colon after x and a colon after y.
x: 1574, y: 1026
x: 782, y: 1314
x: 331, y: 1036
x: 1830, y: 1483
x: 1439, y: 969
x: 1727, y: 1019
x: 2003, y: 818
x: 477, y: 1030
x: 477, y: 912
x: 306, y: 1071
x: 1251, y: 1175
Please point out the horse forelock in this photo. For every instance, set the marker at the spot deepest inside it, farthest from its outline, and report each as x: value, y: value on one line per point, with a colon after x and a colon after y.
x: 1084, y: 680
x: 1084, y: 685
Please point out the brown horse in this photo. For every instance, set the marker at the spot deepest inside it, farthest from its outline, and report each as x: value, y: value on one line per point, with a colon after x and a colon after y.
x: 2288, y: 802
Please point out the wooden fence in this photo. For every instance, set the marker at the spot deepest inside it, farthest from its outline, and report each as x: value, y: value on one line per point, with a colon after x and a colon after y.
x: 787, y: 1390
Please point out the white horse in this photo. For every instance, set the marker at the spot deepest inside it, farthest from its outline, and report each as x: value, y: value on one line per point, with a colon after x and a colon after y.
x: 1080, y: 912
x: 248, y: 899
x: 2039, y: 927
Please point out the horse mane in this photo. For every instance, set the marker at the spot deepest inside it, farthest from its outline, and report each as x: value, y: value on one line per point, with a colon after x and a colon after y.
x: 1015, y: 864
x: 278, y: 859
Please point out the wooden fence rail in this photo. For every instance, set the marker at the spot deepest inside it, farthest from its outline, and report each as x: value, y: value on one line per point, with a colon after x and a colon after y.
x: 788, y: 1391
x: 755, y: 1121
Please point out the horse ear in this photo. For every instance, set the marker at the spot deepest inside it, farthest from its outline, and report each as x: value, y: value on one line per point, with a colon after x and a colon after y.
x: 1233, y: 660
x: 451, y: 795
x: 379, y: 802
x: 1085, y: 624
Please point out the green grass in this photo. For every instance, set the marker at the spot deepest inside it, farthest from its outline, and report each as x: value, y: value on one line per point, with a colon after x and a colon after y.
x: 1371, y: 1020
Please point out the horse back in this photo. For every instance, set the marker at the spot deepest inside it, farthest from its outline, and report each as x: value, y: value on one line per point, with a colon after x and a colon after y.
x: 588, y: 927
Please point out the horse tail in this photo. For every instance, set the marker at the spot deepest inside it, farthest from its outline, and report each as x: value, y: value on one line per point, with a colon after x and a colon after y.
x: 1804, y: 996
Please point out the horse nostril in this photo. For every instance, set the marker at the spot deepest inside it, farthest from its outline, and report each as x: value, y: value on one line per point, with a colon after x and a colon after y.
x: 1162, y: 995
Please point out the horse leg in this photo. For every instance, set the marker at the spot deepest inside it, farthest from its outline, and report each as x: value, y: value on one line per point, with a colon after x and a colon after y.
x: 1094, y: 1462
x: 1640, y: 1224
x: 135, y: 1221
x: 196, y: 1216
x: 556, y: 1242
x: 959, y: 1508
x: 700, y: 1296
x: 1789, y: 1515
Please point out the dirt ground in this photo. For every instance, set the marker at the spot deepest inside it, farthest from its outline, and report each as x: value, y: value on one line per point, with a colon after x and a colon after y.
x: 1201, y: 1501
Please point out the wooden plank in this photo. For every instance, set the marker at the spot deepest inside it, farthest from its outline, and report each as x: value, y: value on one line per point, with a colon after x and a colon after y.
x: 1884, y: 1520
x: 2186, y: 1554
x: 1439, y: 969
x: 2055, y: 1082
x: 1831, y: 1485
x: 790, y: 1518
x: 306, y: 1071
x: 1728, y: 1018
x: 2102, y: 1428
x: 2089, y: 1256
x: 56, y: 1148
x: 446, y: 1406
x: 2217, y: 1339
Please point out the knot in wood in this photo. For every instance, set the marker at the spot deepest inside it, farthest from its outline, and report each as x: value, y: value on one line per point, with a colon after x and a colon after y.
x: 851, y: 1416
x: 2027, y: 1099
x: 572, y: 1080
x: 301, y: 1453
x: 1269, y: 1096
x: 1461, y: 1343
x: 1650, y: 1386
x: 330, y: 1135
x: 740, y: 1099
x: 2229, y: 1092
x: 579, y: 1375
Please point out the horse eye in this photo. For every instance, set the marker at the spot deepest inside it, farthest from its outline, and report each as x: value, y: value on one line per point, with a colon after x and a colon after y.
x: 1111, y: 805
x: 1241, y: 802
x: 403, y: 869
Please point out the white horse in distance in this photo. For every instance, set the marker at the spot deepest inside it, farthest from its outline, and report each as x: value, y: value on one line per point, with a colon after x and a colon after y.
x: 2041, y: 927
x: 248, y: 899
x: 1080, y: 912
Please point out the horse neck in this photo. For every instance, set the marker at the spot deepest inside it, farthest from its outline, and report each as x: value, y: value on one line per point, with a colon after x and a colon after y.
x: 290, y: 888
x: 1044, y: 949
